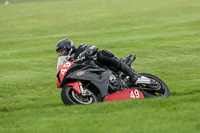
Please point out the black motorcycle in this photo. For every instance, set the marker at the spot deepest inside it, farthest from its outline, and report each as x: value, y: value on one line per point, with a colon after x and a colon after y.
x: 88, y: 81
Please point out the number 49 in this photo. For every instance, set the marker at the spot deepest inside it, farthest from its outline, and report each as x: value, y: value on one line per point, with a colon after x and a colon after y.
x: 135, y: 94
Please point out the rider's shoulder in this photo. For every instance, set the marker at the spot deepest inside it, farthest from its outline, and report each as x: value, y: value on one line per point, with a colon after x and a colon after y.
x: 83, y: 46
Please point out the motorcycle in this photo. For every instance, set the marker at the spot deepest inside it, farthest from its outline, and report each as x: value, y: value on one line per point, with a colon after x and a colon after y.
x: 88, y: 81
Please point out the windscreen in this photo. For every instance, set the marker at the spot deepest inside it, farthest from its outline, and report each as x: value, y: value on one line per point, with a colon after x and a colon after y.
x: 61, y: 60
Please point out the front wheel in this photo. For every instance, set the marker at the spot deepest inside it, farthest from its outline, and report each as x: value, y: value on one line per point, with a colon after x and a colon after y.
x: 159, y: 88
x: 70, y: 97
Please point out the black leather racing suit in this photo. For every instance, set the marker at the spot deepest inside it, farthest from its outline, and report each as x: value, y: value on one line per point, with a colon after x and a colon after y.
x: 107, y: 58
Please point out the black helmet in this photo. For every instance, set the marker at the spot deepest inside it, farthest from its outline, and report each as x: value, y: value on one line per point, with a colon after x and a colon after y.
x: 67, y: 45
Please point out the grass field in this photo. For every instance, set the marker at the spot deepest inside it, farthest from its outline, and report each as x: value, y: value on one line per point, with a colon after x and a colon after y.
x: 165, y: 36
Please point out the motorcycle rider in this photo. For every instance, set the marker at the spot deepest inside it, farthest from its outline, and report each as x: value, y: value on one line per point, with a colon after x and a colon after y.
x: 66, y: 47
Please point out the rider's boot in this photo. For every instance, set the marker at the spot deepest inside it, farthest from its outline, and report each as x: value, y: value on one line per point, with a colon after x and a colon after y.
x: 128, y: 71
x: 129, y: 59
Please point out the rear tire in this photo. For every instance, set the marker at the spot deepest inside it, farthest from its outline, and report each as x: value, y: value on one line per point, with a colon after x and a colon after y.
x: 71, y: 97
x: 163, y: 92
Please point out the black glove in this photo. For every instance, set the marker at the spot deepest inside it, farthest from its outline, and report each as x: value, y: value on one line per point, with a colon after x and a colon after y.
x: 92, y: 50
x: 83, y: 55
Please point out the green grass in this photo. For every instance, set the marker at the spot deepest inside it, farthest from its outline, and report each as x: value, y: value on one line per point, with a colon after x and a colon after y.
x: 165, y: 35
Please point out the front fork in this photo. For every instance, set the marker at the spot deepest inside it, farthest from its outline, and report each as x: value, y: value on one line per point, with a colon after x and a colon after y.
x: 78, y: 88
x: 83, y: 91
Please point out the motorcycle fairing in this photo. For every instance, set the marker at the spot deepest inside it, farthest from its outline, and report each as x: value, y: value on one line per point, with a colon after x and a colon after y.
x: 89, y: 76
x: 62, y: 70
x: 132, y: 93
x: 97, y: 76
x: 57, y: 83
x: 99, y: 81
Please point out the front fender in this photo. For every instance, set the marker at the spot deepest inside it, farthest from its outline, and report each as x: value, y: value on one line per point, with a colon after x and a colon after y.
x: 75, y: 87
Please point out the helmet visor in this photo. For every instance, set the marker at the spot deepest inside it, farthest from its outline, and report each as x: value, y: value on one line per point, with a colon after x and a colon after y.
x: 62, y: 52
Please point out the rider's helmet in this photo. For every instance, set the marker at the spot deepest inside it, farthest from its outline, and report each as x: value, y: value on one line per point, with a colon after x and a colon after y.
x: 65, y: 47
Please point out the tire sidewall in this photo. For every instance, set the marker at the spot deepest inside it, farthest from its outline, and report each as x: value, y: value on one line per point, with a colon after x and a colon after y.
x: 66, y: 98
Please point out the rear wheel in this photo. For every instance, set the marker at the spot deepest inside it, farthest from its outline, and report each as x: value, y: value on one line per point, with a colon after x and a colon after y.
x: 159, y: 88
x: 71, y: 97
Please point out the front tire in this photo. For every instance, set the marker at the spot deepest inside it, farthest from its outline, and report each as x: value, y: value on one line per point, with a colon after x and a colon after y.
x: 71, y: 97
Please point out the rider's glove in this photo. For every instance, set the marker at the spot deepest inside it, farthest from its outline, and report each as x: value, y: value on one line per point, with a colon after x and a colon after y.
x: 83, y: 55
x: 92, y: 50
